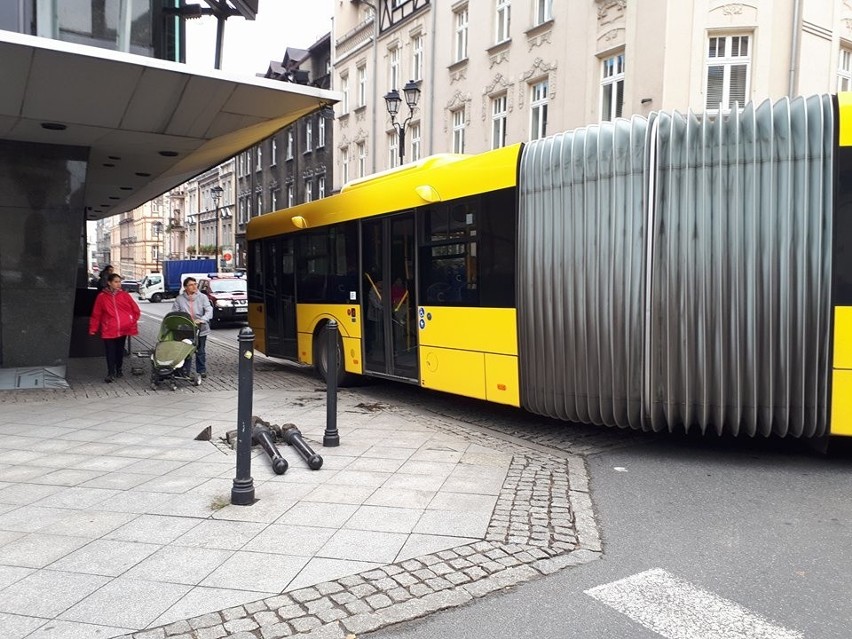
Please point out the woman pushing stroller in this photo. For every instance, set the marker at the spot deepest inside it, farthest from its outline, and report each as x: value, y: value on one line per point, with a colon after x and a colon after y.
x: 115, y: 315
x: 198, y: 307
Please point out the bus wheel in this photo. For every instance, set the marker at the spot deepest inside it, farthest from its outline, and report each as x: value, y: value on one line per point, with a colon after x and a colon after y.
x: 321, y: 358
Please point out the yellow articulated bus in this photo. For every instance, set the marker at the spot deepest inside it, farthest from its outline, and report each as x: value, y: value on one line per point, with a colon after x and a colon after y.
x: 678, y: 271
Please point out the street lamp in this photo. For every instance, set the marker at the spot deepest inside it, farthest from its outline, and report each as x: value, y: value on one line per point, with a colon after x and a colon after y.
x: 216, y: 194
x: 393, y: 101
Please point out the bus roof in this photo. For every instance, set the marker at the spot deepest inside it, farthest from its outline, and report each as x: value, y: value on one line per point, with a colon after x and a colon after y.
x: 434, y: 179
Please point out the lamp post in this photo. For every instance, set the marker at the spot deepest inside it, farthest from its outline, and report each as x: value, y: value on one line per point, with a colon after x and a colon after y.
x: 216, y: 194
x: 411, y: 91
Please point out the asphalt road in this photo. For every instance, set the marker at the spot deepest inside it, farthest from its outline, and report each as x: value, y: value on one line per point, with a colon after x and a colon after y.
x: 766, y: 526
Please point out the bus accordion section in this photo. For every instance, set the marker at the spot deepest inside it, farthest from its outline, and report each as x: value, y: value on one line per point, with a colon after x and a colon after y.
x: 676, y: 272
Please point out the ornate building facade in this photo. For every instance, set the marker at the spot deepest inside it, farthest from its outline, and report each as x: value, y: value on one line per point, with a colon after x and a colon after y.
x: 496, y: 72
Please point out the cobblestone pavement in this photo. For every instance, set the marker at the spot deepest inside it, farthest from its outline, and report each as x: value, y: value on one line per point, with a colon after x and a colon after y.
x: 543, y: 520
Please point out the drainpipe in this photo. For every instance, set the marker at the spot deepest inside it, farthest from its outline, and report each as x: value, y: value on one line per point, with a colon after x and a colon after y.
x: 794, y: 49
x: 432, y: 65
x: 375, y: 109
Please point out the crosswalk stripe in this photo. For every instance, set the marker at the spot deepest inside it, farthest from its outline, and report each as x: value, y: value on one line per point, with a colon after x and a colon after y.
x: 676, y: 609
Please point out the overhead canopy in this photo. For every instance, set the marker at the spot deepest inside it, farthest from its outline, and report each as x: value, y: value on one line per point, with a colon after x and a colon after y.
x: 151, y: 124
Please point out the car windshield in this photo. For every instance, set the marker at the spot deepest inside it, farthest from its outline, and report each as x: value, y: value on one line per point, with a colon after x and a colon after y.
x: 228, y: 286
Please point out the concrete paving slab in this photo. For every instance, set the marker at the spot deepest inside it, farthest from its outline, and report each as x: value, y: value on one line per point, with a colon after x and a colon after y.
x: 12, y: 574
x: 47, y: 593
x: 73, y: 630
x: 19, y: 626
x: 221, y: 534
x: 363, y: 545
x: 126, y: 603
x: 321, y: 570
x: 155, y: 529
x: 384, y: 519
x: 88, y: 523
x: 37, y: 550
x: 105, y: 557
x: 179, y: 565
x: 256, y: 571
x: 418, y: 545
x: 201, y: 600
x: 287, y: 539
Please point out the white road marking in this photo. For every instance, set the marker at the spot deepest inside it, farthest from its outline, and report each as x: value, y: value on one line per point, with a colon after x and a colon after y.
x: 676, y: 609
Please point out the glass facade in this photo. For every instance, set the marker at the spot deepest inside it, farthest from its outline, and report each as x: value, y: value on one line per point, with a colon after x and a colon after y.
x: 141, y: 27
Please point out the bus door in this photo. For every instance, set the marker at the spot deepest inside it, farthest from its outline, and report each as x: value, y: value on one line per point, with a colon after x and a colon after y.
x: 280, y: 298
x: 388, y: 308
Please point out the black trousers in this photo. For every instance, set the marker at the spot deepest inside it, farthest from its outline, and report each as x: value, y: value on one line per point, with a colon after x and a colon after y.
x: 114, y: 349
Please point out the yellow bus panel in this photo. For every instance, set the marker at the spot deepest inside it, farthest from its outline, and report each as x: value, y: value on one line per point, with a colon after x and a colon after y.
x: 349, y: 325
x: 843, y: 337
x: 844, y: 101
x: 459, y: 372
x: 501, y: 379
x: 257, y: 321
x: 489, y: 330
x: 352, y: 355
x: 841, y: 403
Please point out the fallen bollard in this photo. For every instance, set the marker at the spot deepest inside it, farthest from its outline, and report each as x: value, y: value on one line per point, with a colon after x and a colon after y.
x: 293, y: 436
x: 262, y: 435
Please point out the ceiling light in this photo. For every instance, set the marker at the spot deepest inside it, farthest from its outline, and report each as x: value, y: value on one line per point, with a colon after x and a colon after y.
x: 108, y: 164
x: 141, y: 174
x: 53, y: 126
x: 169, y: 154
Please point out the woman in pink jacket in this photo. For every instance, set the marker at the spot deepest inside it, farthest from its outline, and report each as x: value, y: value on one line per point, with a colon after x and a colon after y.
x: 116, y: 316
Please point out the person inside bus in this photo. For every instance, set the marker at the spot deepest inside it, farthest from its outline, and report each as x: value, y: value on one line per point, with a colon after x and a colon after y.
x: 375, y: 342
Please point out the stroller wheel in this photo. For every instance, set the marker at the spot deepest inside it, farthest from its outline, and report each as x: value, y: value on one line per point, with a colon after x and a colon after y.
x: 174, y: 387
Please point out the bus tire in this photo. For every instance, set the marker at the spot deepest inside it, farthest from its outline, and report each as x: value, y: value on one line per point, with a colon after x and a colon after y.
x: 156, y: 298
x: 321, y: 358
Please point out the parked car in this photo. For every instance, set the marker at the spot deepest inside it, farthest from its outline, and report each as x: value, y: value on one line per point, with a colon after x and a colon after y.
x: 131, y: 286
x: 228, y: 293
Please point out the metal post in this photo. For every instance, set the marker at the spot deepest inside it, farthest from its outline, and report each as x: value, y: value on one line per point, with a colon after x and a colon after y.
x: 242, y: 492
x: 402, y: 144
x: 220, y: 40
x: 331, y: 437
x: 217, y: 235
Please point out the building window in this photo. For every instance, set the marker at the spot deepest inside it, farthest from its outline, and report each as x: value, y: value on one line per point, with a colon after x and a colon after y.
x: 461, y: 35
x: 344, y: 165
x: 415, y: 142
x: 321, y: 187
x: 538, y: 115
x: 309, y: 136
x: 504, y: 18
x: 259, y: 158
x: 844, y: 71
x: 417, y: 58
x: 612, y: 88
x: 309, y: 191
x: 289, y: 144
x: 274, y: 159
x: 260, y: 210
x: 289, y: 195
x: 321, y: 132
x: 273, y: 199
x: 458, y: 131
x: 344, y: 89
x: 499, y: 113
x: 393, y: 149
x: 241, y: 164
x: 362, y: 86
x: 394, y: 67
x: 241, y: 211
x: 728, y: 69
x: 543, y: 11
x: 362, y: 159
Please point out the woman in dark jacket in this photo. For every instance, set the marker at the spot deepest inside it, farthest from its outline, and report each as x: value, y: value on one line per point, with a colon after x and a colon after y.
x: 116, y: 316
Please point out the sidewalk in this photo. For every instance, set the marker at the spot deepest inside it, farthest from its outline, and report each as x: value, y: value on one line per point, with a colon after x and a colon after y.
x: 115, y: 521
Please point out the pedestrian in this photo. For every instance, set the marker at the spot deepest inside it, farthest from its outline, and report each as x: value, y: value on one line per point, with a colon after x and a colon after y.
x: 103, y: 280
x: 116, y: 316
x: 199, y: 308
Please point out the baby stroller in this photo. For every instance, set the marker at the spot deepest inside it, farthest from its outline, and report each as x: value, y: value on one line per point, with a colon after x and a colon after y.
x: 178, y: 340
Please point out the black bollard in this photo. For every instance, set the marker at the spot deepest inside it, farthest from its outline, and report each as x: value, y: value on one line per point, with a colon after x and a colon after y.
x: 293, y: 436
x: 263, y: 436
x: 331, y: 437
x: 242, y: 492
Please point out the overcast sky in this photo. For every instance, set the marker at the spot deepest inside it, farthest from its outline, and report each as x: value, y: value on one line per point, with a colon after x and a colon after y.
x: 251, y: 44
